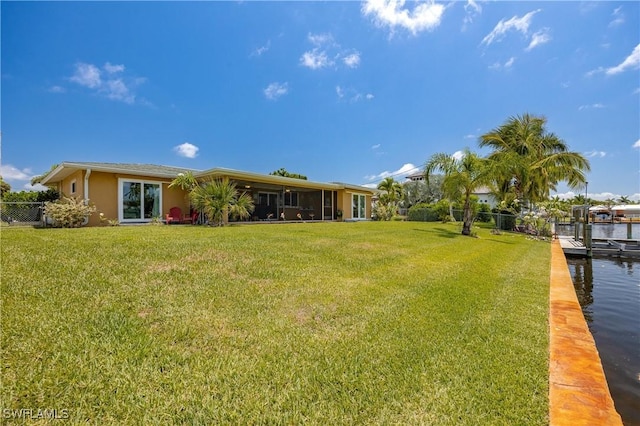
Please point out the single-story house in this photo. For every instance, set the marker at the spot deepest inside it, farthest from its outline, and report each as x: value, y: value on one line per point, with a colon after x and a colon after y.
x: 138, y: 193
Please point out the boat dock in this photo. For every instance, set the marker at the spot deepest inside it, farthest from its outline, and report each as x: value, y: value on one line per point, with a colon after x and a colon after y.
x: 604, y: 247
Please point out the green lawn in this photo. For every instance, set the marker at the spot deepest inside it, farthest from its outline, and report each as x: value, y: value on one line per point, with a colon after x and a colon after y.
x: 336, y: 323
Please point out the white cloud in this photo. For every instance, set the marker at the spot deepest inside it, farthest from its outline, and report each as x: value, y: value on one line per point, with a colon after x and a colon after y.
x: 315, y: 59
x: 631, y: 62
x: 592, y: 154
x: 376, y: 146
x: 592, y: 106
x: 618, y: 17
x: 37, y: 187
x: 9, y: 172
x: 539, y: 38
x: 637, y: 144
x: 114, y: 88
x: 352, y: 60
x: 472, y: 9
x: 262, y: 49
x: 320, y: 39
x: 498, y: 66
x: 405, y: 170
x: 326, y: 52
x: 87, y: 75
x: 352, y: 95
x: 276, y: 90
x: 391, y: 13
x: 112, y: 69
x: 186, y: 150
x: 458, y: 155
x: 117, y: 90
x: 515, y: 23
x: 469, y: 136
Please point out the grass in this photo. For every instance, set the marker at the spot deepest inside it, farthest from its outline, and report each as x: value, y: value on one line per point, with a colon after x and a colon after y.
x: 336, y: 323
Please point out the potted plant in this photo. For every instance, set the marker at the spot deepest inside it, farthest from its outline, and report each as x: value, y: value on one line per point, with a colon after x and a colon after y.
x: 339, y: 214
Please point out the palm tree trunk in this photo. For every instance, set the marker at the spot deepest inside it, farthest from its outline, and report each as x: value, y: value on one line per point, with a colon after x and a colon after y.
x: 467, y: 216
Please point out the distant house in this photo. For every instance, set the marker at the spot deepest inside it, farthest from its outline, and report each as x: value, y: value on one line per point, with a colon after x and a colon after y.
x: 416, y: 177
x: 485, y: 197
x: 138, y: 193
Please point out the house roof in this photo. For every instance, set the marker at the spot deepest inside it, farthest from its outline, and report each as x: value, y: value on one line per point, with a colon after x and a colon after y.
x: 169, y: 172
x: 69, y: 167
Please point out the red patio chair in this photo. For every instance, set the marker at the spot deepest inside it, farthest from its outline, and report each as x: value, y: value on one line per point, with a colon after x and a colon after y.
x: 175, y: 216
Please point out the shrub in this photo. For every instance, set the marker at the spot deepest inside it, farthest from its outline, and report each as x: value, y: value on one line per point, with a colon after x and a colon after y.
x: 68, y: 212
x: 384, y: 211
x: 422, y: 212
x: 484, y: 215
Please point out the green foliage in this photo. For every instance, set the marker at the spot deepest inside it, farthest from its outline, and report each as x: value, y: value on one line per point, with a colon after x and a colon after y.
x: 416, y: 192
x: 31, y: 196
x: 68, y: 212
x: 4, y: 187
x: 484, y: 213
x: 219, y: 198
x: 283, y: 172
x: 462, y: 176
x: 528, y: 161
x: 387, y: 206
x: 384, y: 211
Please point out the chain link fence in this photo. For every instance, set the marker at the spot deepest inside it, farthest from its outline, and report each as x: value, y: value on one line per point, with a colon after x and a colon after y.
x: 21, y: 213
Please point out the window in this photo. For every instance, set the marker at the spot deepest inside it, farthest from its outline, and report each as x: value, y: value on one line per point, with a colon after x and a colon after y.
x: 138, y: 200
x: 358, y: 205
x: 73, y: 186
x: 291, y: 199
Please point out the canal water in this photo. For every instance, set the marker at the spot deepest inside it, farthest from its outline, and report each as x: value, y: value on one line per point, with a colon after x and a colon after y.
x: 609, y: 292
x: 604, y: 230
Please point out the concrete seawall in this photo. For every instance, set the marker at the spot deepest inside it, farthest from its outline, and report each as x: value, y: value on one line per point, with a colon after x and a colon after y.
x: 578, y: 390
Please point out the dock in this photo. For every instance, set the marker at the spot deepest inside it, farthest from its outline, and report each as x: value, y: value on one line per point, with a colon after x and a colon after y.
x: 572, y: 247
x: 602, y: 247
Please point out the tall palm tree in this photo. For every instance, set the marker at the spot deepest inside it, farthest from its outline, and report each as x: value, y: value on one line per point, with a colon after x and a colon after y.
x: 531, y: 160
x: 624, y: 200
x: 393, y: 190
x: 219, y: 198
x: 462, y: 176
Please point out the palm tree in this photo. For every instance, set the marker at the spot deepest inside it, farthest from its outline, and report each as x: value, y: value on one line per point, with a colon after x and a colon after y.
x: 531, y: 160
x: 461, y: 177
x: 624, y: 200
x: 219, y: 198
x: 393, y: 190
x: 185, y: 181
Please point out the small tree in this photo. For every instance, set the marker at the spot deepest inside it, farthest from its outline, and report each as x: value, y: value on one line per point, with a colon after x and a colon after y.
x: 69, y: 212
x: 4, y: 187
x: 219, y: 198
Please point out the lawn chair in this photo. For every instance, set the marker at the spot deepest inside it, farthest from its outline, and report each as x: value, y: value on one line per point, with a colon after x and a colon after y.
x: 175, y: 216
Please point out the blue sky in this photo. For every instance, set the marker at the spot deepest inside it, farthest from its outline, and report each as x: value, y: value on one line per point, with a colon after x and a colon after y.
x: 337, y: 91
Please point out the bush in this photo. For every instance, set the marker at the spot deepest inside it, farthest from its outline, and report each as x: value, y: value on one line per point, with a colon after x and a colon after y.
x: 422, y: 212
x: 68, y: 212
x: 384, y: 211
x: 484, y: 215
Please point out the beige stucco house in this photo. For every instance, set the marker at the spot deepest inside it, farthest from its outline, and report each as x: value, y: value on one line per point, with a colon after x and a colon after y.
x: 138, y: 193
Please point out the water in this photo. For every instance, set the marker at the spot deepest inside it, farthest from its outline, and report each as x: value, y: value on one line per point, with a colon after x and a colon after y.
x: 604, y: 230
x: 609, y: 292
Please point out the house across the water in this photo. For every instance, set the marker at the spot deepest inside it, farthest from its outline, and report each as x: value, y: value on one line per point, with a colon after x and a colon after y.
x: 138, y: 193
